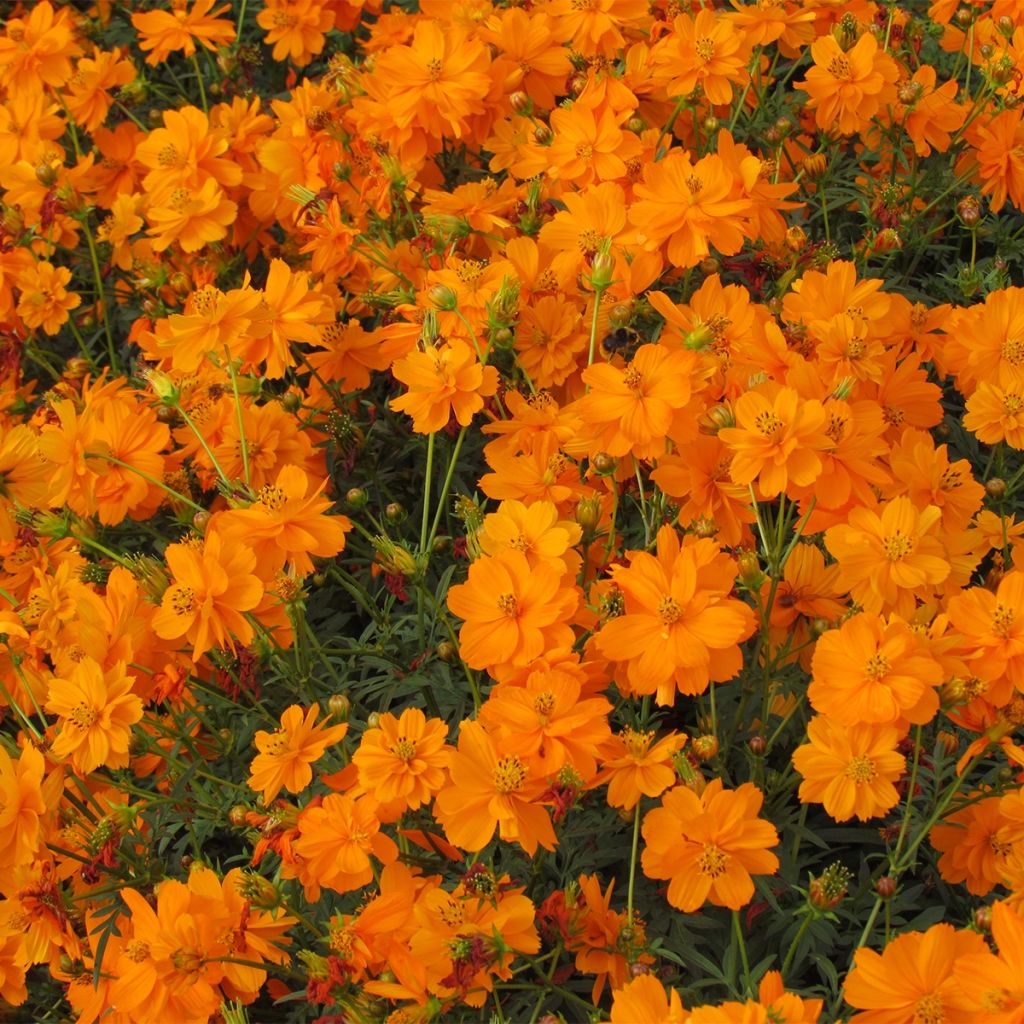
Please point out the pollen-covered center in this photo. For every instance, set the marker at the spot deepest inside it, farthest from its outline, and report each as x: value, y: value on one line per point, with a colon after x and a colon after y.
x: 1013, y: 351
x: 860, y: 769
x: 636, y: 742
x: 876, y: 666
x: 434, y: 69
x: 83, y: 715
x: 1002, y: 621
x: 929, y: 1010
x: 509, y: 774
x: 508, y: 605
x: 767, y: 423
x: 271, y: 497
x: 183, y: 601
x: 403, y: 749
x: 896, y: 546
x: 839, y: 67
x: 1012, y: 403
x: 712, y: 861
x: 669, y: 610
x: 705, y: 48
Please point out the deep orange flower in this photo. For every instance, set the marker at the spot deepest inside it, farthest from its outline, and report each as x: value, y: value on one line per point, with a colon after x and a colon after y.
x: 996, y: 414
x: 96, y: 710
x: 45, y: 301
x: 873, y: 671
x: 21, y: 807
x: 403, y: 758
x: 888, y: 560
x: 690, y: 207
x: 776, y: 440
x: 707, y: 51
x: 975, y: 843
x: 191, y: 218
x: 95, y: 78
x: 37, y: 50
x: 336, y: 841
x: 708, y: 846
x: 535, y: 530
x: 997, y: 152
x: 632, y: 767
x: 287, y: 524
x: 285, y: 756
x: 993, y: 629
x: 680, y: 628
x: 492, y: 787
x: 850, y: 771
x: 436, y: 82
x: 634, y: 409
x: 213, y: 586
x: 165, y: 32
x: 296, y: 28
x: 589, y: 144
x: 513, y: 611
x: 993, y: 984
x: 443, y: 382
x: 912, y: 979
x: 645, y: 1001
x: 848, y: 88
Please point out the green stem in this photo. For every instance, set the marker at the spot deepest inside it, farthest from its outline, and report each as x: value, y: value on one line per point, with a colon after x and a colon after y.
x: 241, y: 421
x: 202, y: 440
x: 199, y: 79
x: 791, y: 952
x: 426, y: 493
x: 737, y: 929
x: 446, y: 486
x: 598, y: 293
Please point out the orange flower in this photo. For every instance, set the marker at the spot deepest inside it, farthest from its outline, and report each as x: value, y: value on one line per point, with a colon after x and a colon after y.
x: 513, y: 611
x: 21, y: 807
x: 596, y: 27
x: 848, y: 89
x: 533, y: 529
x: 443, y: 382
x: 974, y: 843
x: 912, y: 979
x: 708, y: 846
x: 874, y: 672
x: 290, y: 311
x: 285, y: 756
x: 45, y: 301
x: 296, y: 28
x: 436, y: 82
x: 635, y: 409
x: 706, y: 51
x: 888, y: 561
x: 932, y: 113
x: 633, y: 768
x: 96, y: 712
x: 89, y: 90
x: 492, y: 787
x: 37, y: 50
x: 680, y: 628
x: 336, y: 841
x: 549, y: 340
x: 191, y: 218
x: 548, y: 724
x: 589, y: 145
x: 993, y: 628
x: 691, y: 207
x: 776, y: 440
x: 403, y: 758
x: 213, y: 586
x: 287, y: 524
x: 644, y: 1001
x: 997, y: 152
x: 850, y: 771
x: 996, y: 413
x: 164, y: 32
x: 993, y: 985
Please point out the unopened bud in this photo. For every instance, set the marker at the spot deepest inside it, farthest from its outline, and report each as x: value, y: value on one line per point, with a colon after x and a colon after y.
x: 815, y: 165
x: 983, y: 919
x: 339, y: 706
x: 445, y: 651
x: 356, y: 498
x: 758, y: 745
x: 520, y: 102
x: 969, y: 211
x: 705, y: 747
x: 604, y: 464
x: 995, y: 488
x: 442, y: 297
x: 885, y: 887
x: 601, y: 271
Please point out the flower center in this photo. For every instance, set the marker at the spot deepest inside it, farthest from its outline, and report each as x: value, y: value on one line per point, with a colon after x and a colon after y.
x: 705, y: 48
x: 1002, y: 621
x: 403, y: 749
x: 768, y: 423
x: 669, y: 610
x: 434, y: 69
x: 897, y: 546
x: 860, y: 769
x: 137, y: 951
x: 712, y: 861
x: 509, y: 775
x: 876, y: 666
x: 928, y: 1009
x: 183, y: 601
x: 584, y: 151
x: 272, y: 498
x: 82, y: 715
x: 636, y: 743
x: 839, y: 67
x: 544, y: 703
x: 1013, y: 350
x: 508, y: 605
x: 633, y: 379
x: 1012, y: 403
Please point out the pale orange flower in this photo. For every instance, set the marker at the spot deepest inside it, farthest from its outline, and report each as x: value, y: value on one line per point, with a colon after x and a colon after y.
x: 165, y: 32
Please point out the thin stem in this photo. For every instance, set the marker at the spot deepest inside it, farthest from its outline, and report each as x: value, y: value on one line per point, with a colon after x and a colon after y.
x: 446, y: 486
x: 202, y: 440
x: 199, y: 79
x: 791, y: 952
x: 426, y: 493
x: 241, y: 421
x: 737, y: 929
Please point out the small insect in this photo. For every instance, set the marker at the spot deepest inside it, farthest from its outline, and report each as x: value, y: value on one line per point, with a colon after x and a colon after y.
x: 623, y: 341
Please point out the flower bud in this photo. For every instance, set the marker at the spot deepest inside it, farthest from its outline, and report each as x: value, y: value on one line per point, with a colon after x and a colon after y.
x: 995, y: 488
x: 588, y: 515
x: 46, y: 175
x: 758, y: 745
x: 291, y: 401
x: 749, y: 569
x: 705, y: 747
x: 520, y: 102
x: 237, y: 815
x: 356, y: 498
x: 815, y: 165
x: 796, y: 240
x: 983, y: 919
x: 394, y: 512
x: 339, y: 706
x: 373, y: 720
x: 443, y: 297
x: 446, y: 651
x: 601, y: 271
x: 969, y: 211
x: 829, y: 888
x: 163, y: 386
x: 604, y: 464
x: 543, y: 135
x: 885, y: 887
x: 717, y: 417
x: 200, y: 521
